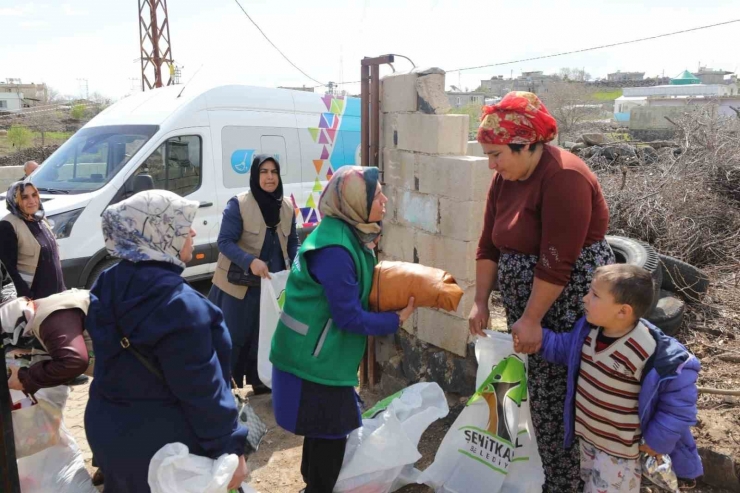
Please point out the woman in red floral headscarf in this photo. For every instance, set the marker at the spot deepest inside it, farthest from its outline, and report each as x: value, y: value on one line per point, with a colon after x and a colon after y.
x: 542, y: 239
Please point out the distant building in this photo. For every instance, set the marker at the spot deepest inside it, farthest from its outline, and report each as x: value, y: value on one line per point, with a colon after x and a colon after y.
x: 11, y: 101
x: 536, y: 82
x: 460, y: 99
x: 497, y: 86
x: 30, y: 94
x: 711, y: 76
x: 625, y: 76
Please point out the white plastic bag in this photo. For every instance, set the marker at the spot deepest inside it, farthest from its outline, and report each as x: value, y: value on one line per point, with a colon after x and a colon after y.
x: 60, y: 467
x: 491, y: 446
x: 173, y: 469
x: 379, y: 456
x: 36, y: 428
x: 272, y: 298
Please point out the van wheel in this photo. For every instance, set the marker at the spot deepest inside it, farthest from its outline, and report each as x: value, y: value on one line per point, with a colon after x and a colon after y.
x: 98, y: 269
x: 641, y: 254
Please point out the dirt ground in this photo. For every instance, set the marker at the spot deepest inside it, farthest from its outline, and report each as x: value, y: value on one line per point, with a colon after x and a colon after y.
x: 275, y: 468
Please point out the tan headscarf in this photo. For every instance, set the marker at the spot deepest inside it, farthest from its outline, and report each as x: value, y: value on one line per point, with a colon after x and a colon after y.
x: 349, y: 196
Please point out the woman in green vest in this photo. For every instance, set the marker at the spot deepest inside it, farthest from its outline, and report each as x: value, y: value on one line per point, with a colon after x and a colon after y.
x: 321, y: 336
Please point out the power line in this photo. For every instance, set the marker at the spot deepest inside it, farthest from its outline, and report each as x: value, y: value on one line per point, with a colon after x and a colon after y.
x: 278, y: 49
x: 596, y: 47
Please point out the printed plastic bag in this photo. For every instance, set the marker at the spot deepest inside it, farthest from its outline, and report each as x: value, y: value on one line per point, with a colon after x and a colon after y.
x: 659, y: 471
x: 491, y: 446
x: 173, y: 469
x: 58, y: 467
x: 271, y: 306
x: 37, y: 427
x: 379, y: 457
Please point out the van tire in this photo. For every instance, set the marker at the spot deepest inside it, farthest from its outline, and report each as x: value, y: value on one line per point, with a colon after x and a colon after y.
x: 682, y: 278
x: 98, y: 269
x: 668, y: 313
x: 636, y: 252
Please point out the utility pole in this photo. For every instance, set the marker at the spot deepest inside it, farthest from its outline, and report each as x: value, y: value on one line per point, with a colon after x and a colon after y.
x: 154, y: 41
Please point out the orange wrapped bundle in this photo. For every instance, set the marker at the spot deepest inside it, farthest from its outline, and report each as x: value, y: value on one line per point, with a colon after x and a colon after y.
x: 395, y: 282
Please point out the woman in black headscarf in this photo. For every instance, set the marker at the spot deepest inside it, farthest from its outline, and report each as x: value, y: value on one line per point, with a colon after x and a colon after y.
x: 258, y: 235
x: 29, y: 248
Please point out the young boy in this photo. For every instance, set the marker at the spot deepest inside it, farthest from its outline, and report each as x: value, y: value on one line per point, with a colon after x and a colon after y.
x: 627, y: 383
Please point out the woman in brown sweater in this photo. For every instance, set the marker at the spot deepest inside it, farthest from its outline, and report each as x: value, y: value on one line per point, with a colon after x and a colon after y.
x: 542, y: 239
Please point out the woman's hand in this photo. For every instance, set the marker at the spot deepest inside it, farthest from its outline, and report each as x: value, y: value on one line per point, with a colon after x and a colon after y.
x: 240, y: 475
x: 259, y: 268
x: 478, y: 318
x: 13, y: 382
x: 404, y: 314
x: 527, y: 335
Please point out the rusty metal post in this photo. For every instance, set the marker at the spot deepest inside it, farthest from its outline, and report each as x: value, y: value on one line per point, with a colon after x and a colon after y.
x: 9, y: 482
x: 365, y: 116
x: 369, y: 149
x: 154, y: 41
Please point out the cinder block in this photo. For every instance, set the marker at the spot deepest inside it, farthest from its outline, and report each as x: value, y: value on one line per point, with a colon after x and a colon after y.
x: 467, y: 301
x: 432, y: 96
x: 400, y: 168
x: 475, y: 149
x: 398, y: 93
x: 388, y: 126
x: 390, y: 206
x: 418, y: 211
x: 433, y: 134
x: 461, y: 220
x: 398, y: 242
x: 454, y: 256
x: 443, y: 331
x: 463, y: 178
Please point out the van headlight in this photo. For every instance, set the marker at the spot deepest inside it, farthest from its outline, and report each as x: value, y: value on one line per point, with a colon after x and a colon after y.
x: 61, y: 224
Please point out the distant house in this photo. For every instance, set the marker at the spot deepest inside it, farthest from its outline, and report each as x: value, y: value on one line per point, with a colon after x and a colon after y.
x: 11, y: 101
x: 711, y: 76
x: 30, y: 94
x: 625, y: 76
x: 460, y: 99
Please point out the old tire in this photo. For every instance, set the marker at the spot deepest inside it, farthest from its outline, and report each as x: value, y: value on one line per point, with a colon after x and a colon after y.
x: 668, y: 313
x: 636, y: 252
x: 98, y: 269
x: 682, y: 278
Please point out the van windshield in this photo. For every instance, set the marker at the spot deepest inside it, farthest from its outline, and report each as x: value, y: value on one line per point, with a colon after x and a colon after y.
x: 91, y: 158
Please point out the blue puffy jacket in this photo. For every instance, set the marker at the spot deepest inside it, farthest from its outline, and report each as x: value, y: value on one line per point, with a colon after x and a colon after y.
x: 667, y: 401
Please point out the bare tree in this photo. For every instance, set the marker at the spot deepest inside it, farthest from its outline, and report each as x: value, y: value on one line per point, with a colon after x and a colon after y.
x: 574, y: 74
x: 571, y: 104
x: 48, y: 121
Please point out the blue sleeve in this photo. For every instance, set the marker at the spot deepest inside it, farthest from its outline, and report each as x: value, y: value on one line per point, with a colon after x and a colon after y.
x: 231, y: 231
x: 675, y: 410
x: 195, y: 375
x: 293, y: 243
x: 556, y: 347
x: 334, y: 269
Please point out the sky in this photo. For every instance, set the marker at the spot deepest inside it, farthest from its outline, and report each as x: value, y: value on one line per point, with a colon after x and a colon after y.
x: 64, y: 43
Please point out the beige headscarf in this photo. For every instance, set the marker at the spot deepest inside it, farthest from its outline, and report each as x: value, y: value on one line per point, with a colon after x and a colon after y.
x: 349, y: 196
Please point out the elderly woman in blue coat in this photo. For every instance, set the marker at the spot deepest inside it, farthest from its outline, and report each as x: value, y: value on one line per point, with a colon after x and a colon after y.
x: 180, y: 392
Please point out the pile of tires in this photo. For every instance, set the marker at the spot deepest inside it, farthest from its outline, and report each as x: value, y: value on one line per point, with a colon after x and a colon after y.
x: 675, y: 282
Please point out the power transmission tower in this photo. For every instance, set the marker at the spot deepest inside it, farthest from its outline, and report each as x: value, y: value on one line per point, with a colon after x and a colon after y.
x: 156, y: 51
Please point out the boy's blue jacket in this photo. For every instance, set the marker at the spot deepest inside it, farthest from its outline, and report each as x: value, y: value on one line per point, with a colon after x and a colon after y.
x: 667, y: 401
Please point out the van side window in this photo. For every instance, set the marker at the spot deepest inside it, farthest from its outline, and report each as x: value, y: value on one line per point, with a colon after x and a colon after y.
x: 175, y: 165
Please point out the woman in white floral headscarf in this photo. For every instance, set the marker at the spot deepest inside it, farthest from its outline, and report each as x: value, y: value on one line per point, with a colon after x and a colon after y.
x: 177, y: 388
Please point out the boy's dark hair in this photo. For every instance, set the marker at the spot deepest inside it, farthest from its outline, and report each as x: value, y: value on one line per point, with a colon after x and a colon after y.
x: 517, y: 148
x: 630, y: 285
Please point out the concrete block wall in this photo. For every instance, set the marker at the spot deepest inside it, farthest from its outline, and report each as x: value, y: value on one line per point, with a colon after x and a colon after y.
x: 434, y: 217
x: 8, y: 175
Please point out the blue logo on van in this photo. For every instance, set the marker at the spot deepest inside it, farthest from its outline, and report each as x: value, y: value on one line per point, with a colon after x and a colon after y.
x: 241, y: 160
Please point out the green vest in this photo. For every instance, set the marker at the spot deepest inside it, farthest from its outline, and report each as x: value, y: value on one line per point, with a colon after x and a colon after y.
x: 307, y: 343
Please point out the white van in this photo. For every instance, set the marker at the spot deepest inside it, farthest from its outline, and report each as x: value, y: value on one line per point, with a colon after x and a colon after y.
x: 198, y: 144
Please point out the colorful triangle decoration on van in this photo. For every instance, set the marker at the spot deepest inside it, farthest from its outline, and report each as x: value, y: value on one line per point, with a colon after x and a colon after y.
x: 314, y: 133
x: 323, y: 139
x: 305, y: 211
x: 331, y: 133
x: 318, y: 164
x: 323, y: 123
x: 329, y: 117
x: 313, y: 218
x: 325, y: 153
x: 329, y: 173
x: 327, y: 100
x: 310, y: 203
x: 317, y: 186
x: 292, y: 201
